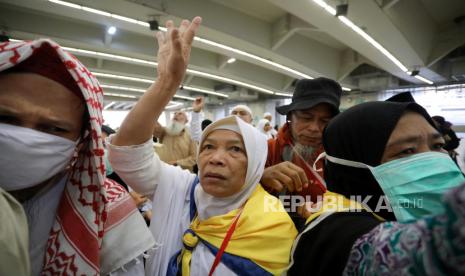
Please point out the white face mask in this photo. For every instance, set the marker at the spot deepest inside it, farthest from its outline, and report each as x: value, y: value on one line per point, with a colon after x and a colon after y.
x: 174, y: 128
x: 29, y: 157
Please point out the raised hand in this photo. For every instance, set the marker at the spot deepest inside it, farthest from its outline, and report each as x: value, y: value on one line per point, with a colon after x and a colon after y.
x: 174, y: 49
x: 173, y: 56
x: 198, y: 104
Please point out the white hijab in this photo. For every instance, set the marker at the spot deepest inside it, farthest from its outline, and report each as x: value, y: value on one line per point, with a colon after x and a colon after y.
x: 261, y: 125
x: 256, y: 148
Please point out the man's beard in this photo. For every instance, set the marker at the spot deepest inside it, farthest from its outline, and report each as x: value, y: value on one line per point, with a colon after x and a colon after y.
x: 174, y: 128
x: 305, y: 152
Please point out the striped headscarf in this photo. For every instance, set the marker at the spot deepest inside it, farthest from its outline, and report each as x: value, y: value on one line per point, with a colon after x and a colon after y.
x: 94, y: 213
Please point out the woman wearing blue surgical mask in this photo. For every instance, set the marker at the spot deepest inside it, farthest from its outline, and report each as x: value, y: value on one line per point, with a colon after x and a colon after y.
x: 389, y: 157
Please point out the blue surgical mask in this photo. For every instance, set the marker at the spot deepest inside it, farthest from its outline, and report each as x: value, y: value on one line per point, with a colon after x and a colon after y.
x: 414, y: 185
x: 108, y: 167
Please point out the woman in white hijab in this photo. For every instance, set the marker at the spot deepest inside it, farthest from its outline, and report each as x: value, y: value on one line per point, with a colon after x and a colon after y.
x: 221, y: 221
x: 264, y: 127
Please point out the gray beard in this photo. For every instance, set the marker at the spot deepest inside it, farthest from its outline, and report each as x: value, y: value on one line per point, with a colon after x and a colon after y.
x: 174, y: 128
x: 305, y: 152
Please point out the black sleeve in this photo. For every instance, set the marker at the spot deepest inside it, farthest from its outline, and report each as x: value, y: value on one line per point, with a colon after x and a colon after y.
x: 325, y: 249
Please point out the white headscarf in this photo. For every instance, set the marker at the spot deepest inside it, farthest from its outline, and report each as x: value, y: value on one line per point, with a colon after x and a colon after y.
x: 261, y: 125
x: 243, y: 107
x: 256, y: 148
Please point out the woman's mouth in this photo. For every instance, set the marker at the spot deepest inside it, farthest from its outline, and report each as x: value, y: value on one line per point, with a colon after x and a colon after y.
x: 214, y: 176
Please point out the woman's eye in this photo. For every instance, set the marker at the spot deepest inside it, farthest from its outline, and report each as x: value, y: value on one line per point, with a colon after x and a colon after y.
x: 438, y: 146
x: 408, y: 151
x: 207, y: 146
x: 54, y: 130
x: 236, y: 149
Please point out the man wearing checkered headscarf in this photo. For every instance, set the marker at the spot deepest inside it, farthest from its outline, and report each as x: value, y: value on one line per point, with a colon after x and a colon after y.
x: 53, y: 161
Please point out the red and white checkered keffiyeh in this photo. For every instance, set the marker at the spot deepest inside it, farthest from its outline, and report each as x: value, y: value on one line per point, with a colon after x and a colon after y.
x: 95, y: 215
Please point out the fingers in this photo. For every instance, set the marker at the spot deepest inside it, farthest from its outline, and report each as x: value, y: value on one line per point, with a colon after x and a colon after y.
x: 183, y: 27
x: 306, y: 210
x: 169, y: 27
x: 160, y: 38
x: 302, y: 177
x: 176, y: 41
x: 286, y: 175
x: 186, y: 29
x: 276, y: 185
x: 269, y: 180
x: 292, y: 176
x: 191, y: 30
x: 295, y: 183
x: 285, y: 180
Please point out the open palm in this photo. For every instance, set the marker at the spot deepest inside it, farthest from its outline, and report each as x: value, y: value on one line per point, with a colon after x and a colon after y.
x: 174, y: 49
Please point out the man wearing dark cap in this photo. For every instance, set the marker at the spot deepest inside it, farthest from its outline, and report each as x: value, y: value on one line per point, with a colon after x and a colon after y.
x: 293, y: 152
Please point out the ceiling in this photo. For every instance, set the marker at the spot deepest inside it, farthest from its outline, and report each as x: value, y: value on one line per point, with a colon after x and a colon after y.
x: 274, y: 43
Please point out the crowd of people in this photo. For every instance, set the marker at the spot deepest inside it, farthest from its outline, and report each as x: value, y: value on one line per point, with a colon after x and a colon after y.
x: 373, y: 190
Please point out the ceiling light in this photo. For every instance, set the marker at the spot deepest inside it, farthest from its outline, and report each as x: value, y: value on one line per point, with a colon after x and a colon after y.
x: 125, y: 88
x: 87, y: 9
x: 111, y: 30
x: 325, y: 6
x: 109, y: 105
x: 231, y: 60
x: 284, y: 94
x: 67, y: 4
x: 199, y: 39
x: 197, y: 89
x: 206, y: 41
x: 120, y: 95
x: 149, y: 81
x: 132, y: 89
x: 252, y: 56
x: 110, y: 56
x: 216, y: 77
x: 368, y: 38
x: 152, y: 63
x: 146, y: 62
x: 184, y: 97
x: 423, y: 79
x: 100, y: 12
x: 173, y: 105
x: 373, y: 42
x: 120, y: 77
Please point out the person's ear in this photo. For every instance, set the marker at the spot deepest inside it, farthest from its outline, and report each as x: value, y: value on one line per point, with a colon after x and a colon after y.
x: 288, y: 117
